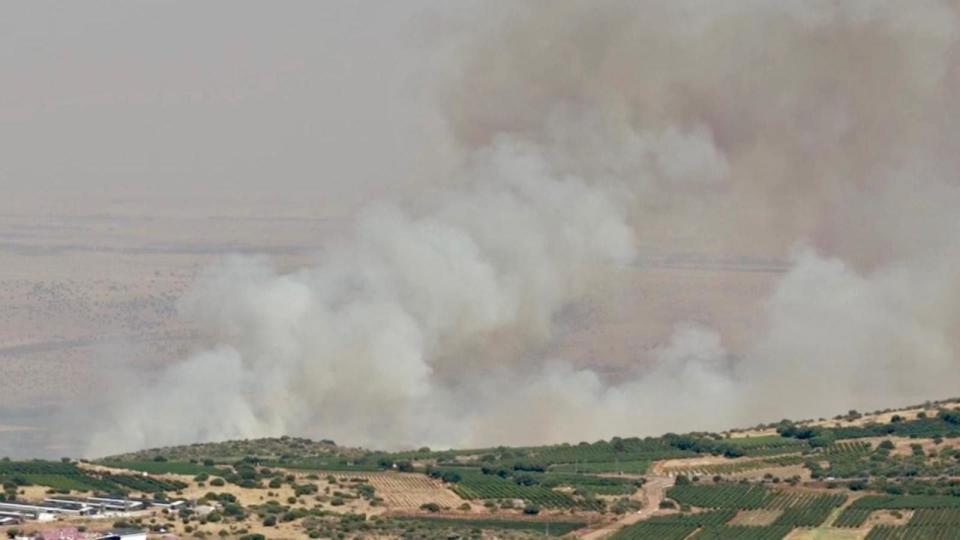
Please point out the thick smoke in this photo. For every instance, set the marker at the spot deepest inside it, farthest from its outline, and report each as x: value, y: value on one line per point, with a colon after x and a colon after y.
x: 587, y: 134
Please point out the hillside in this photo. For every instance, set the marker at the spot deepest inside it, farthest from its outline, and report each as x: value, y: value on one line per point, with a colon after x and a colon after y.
x: 885, y: 474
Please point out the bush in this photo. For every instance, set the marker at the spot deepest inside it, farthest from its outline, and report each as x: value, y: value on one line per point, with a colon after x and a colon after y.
x: 857, y: 485
x: 430, y: 507
x: 270, y: 521
x: 217, y: 482
x: 531, y: 509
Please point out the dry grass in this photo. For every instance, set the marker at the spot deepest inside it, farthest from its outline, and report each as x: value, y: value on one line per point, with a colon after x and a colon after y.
x: 756, y: 518
x: 406, y: 491
x: 826, y: 533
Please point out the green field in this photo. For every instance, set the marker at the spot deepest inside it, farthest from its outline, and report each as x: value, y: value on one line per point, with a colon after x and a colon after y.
x: 164, y: 467
x: 551, y: 528
x: 626, y: 467
x: 62, y: 476
x: 736, y: 532
x: 737, y: 496
x: 676, y: 527
x: 487, y: 486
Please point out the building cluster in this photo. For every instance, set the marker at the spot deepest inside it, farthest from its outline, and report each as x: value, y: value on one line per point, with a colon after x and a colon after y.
x: 52, y: 508
x: 73, y: 533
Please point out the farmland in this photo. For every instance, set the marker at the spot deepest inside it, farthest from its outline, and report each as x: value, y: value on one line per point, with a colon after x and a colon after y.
x: 734, y: 496
x: 734, y: 466
x: 734, y: 532
x: 164, y: 467
x: 550, y: 528
x: 481, y: 486
x: 402, y: 491
x: 673, y: 527
x: 66, y: 477
x: 689, y: 486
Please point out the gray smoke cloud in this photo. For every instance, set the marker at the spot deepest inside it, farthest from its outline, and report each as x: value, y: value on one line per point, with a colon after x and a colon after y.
x: 579, y: 134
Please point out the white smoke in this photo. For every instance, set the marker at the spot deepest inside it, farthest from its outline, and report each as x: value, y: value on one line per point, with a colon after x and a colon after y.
x: 587, y: 130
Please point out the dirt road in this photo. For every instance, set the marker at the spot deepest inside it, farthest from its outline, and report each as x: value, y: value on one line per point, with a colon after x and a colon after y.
x: 653, y: 492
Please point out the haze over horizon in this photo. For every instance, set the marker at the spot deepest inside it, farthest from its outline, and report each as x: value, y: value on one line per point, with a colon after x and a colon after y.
x: 472, y: 224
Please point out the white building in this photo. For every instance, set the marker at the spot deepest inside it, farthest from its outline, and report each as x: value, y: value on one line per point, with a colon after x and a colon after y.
x: 124, y: 534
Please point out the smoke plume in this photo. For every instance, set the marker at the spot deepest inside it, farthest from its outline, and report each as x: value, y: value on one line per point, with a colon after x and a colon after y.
x: 585, y: 136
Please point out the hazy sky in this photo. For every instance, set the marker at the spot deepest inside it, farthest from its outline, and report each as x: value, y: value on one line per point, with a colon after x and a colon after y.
x: 540, y: 152
x: 230, y: 100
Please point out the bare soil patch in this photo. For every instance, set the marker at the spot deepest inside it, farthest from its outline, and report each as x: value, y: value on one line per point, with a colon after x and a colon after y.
x: 756, y: 518
x: 888, y: 517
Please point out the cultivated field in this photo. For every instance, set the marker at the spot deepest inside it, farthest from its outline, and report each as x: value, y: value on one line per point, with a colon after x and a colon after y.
x: 406, y: 491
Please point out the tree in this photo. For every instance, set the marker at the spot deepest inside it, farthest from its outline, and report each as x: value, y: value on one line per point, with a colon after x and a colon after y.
x: 430, y: 507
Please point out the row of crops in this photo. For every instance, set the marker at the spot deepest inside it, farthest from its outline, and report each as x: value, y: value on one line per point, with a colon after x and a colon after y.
x: 857, y: 513
x: 164, y: 467
x: 65, y: 476
x: 608, y: 452
x: 600, y: 467
x: 735, y: 467
x: 848, y: 447
x: 808, y: 510
x: 743, y: 532
x: 736, y: 496
x: 798, y: 509
x: 937, y: 516
x: 890, y: 532
x: 675, y: 527
x: 766, y: 445
x: 946, y: 424
x: 599, y: 485
x: 926, y: 523
x: 145, y: 483
x: 474, y: 485
x: 548, y: 528
x: 853, y: 517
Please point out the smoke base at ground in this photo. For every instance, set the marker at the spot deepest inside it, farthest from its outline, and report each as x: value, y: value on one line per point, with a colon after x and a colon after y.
x: 816, y: 131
